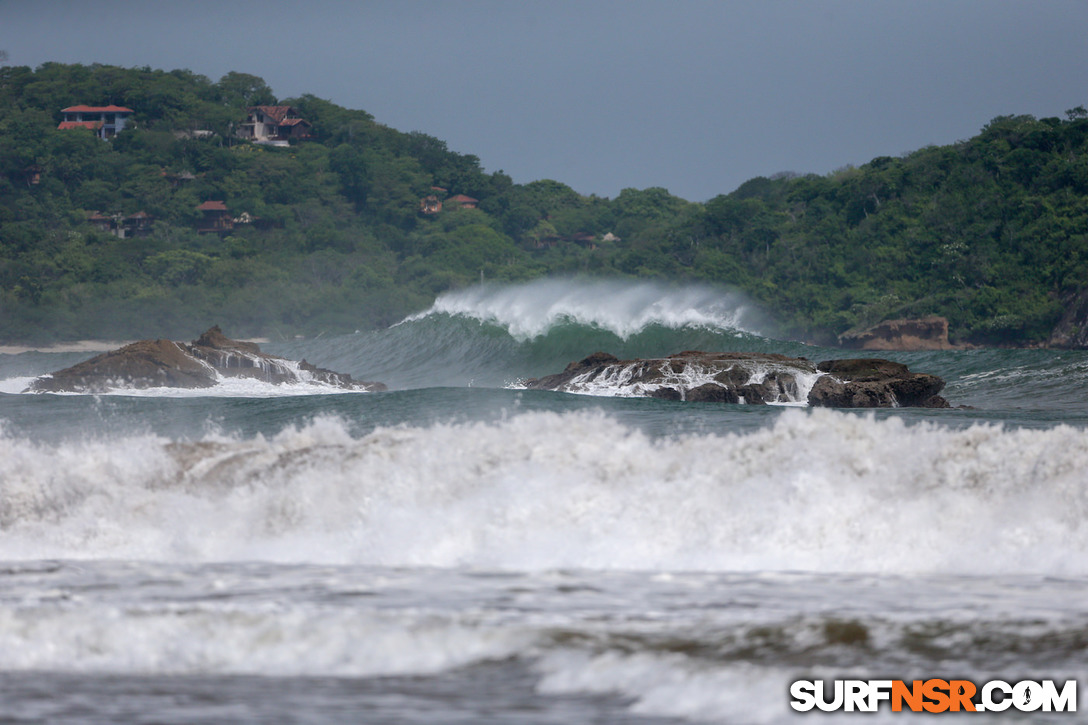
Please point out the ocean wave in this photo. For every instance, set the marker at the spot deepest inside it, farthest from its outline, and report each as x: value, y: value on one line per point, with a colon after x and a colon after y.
x: 817, y: 491
x: 492, y: 335
x: 528, y: 311
x: 204, y: 638
x: 690, y: 646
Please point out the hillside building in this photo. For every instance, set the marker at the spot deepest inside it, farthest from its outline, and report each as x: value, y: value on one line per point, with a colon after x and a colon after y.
x: 215, y: 218
x: 105, y: 121
x: 274, y: 125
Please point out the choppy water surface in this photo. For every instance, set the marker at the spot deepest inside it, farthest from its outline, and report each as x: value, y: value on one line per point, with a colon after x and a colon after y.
x: 461, y: 550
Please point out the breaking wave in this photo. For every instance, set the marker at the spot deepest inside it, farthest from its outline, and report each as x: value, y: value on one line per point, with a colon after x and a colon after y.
x: 819, y: 491
x: 491, y: 335
x: 530, y: 310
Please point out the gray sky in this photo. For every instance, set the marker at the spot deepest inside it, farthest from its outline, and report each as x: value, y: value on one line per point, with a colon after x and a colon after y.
x: 695, y: 96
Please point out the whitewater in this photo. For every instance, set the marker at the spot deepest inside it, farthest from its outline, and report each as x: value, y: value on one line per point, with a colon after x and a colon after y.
x: 460, y: 549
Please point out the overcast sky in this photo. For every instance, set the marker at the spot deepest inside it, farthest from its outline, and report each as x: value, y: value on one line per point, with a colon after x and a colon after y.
x: 694, y: 96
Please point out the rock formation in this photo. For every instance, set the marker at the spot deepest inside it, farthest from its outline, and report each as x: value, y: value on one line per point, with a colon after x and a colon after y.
x: 1071, y: 332
x: 874, y: 383
x: 754, y: 378
x: 199, y: 364
x: 924, y: 333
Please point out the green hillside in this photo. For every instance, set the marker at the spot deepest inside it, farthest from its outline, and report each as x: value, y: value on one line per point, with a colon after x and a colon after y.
x: 340, y: 229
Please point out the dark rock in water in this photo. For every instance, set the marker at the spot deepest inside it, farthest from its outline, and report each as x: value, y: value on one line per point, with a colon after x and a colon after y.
x: 753, y: 378
x: 216, y: 340
x: 874, y: 383
x: 199, y: 364
x: 666, y: 393
x: 710, y: 393
x: 143, y: 364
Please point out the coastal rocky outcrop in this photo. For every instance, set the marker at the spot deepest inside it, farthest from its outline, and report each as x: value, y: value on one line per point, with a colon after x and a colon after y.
x: 923, y: 333
x: 199, y: 364
x: 753, y: 378
x: 874, y: 383
x: 1071, y: 332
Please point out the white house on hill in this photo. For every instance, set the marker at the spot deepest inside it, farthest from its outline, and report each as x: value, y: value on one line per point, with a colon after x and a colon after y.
x: 106, y: 121
x: 274, y: 125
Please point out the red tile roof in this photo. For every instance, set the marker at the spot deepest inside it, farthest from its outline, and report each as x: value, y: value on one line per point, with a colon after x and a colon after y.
x: 212, y: 206
x: 66, y: 125
x: 462, y: 199
x: 96, y: 109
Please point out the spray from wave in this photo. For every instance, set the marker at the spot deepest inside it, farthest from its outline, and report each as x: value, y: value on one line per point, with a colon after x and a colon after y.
x: 823, y: 491
x: 623, y: 308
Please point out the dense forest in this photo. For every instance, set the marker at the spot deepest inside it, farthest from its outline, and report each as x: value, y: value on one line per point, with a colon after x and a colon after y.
x: 353, y: 224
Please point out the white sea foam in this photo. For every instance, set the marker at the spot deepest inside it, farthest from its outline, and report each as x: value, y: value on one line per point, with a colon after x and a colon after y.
x: 226, y: 387
x: 821, y: 491
x: 622, y: 380
x: 531, y: 309
x: 672, y: 685
x: 16, y: 385
x: 232, y: 387
x: 243, y: 639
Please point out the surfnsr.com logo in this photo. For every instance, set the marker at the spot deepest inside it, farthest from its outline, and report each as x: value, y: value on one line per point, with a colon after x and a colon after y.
x: 934, y: 695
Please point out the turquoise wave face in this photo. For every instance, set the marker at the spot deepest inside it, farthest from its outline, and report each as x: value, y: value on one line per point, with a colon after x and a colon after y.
x: 443, y: 350
x: 494, y: 335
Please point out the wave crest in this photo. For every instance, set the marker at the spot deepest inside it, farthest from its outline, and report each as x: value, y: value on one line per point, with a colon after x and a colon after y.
x: 530, y: 310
